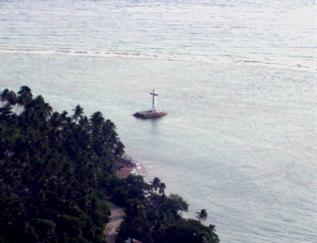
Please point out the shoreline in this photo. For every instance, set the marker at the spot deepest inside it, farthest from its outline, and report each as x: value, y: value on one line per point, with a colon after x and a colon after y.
x: 125, y: 167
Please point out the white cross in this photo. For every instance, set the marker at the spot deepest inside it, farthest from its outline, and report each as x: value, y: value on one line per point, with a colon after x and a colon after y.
x: 153, y: 99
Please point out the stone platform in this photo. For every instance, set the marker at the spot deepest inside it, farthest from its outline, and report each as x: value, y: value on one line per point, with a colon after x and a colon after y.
x: 150, y: 114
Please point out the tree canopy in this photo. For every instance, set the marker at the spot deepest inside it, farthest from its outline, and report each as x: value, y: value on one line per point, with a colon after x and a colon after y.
x: 54, y: 168
x: 57, y: 175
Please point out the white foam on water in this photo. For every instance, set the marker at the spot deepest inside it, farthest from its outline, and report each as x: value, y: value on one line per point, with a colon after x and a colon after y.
x: 154, y: 56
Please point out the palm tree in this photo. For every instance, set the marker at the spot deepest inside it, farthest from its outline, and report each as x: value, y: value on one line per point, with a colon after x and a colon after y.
x: 8, y: 97
x: 43, y: 110
x: 12, y: 98
x: 97, y: 119
x: 25, y: 96
x: 64, y: 119
x: 4, y: 96
x: 5, y: 112
x: 78, y: 112
x: 156, y: 183
x: 202, y: 215
x: 211, y: 227
x: 162, y: 188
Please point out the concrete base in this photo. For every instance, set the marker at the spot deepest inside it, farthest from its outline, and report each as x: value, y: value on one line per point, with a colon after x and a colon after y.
x: 149, y: 114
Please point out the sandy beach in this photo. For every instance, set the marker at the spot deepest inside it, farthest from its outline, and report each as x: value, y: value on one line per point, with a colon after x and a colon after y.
x: 124, y: 167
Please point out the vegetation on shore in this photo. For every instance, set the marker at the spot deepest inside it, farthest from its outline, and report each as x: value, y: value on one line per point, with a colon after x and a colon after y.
x: 58, y: 173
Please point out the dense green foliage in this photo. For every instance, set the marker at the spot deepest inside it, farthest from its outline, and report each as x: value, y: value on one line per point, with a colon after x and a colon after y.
x: 57, y: 174
x: 153, y: 217
x: 52, y: 169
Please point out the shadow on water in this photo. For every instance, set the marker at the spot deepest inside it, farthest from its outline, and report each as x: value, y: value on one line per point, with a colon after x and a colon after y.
x: 151, y: 124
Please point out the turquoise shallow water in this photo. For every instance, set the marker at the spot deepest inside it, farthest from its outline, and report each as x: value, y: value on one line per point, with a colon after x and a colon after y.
x: 238, y: 80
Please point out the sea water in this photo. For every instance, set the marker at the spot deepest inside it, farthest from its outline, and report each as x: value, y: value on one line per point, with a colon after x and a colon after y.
x: 237, y: 78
